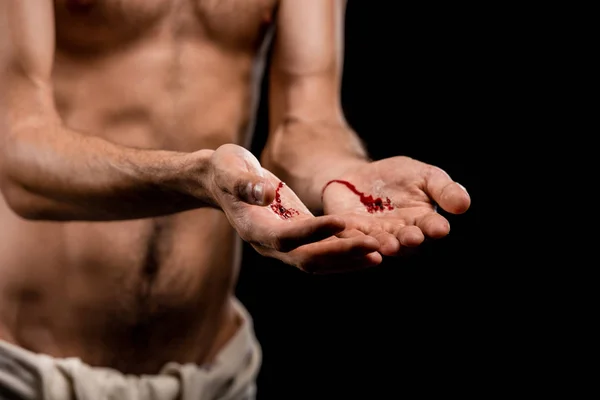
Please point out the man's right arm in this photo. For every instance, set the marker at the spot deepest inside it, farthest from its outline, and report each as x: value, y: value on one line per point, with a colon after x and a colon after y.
x: 50, y: 172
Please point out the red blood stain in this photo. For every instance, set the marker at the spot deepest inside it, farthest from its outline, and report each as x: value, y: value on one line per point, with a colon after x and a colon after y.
x: 372, y: 204
x: 280, y: 210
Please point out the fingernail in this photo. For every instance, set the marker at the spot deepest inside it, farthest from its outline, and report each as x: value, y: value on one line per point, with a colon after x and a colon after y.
x: 462, y: 187
x: 258, y: 193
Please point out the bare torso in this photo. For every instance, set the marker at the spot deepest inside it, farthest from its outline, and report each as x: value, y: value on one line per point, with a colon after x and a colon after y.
x: 133, y: 295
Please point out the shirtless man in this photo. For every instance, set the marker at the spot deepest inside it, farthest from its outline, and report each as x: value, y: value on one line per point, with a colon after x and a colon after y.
x: 126, y: 183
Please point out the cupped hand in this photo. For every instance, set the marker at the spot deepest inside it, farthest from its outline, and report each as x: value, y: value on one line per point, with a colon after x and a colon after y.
x: 268, y: 215
x: 394, y: 200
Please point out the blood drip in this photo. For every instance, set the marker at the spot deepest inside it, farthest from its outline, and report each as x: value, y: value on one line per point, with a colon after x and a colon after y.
x: 372, y: 204
x: 280, y: 210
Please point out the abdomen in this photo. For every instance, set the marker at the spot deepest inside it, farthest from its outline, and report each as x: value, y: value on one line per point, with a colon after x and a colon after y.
x: 131, y: 295
x: 86, y: 290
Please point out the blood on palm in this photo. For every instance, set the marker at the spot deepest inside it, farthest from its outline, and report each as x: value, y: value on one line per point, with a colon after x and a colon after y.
x: 280, y: 210
x: 371, y: 203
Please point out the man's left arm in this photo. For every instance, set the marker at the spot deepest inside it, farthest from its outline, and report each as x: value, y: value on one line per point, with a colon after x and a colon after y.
x: 310, y: 142
x: 312, y: 148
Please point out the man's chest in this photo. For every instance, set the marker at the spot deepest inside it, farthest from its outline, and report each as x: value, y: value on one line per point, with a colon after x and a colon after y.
x: 90, y: 24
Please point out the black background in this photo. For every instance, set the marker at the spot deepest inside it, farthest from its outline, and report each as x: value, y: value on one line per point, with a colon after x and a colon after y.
x: 416, y: 82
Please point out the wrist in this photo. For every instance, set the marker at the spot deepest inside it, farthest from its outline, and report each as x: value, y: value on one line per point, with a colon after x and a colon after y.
x: 339, y: 170
x: 187, y: 175
x: 195, y: 177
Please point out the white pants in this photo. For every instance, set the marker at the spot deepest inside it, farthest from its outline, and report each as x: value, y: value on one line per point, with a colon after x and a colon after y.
x: 30, y: 376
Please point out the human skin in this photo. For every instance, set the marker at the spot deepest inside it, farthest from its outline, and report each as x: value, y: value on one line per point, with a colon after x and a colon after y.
x: 125, y: 183
x: 311, y: 144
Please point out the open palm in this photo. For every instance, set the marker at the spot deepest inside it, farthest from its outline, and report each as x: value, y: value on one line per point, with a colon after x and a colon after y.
x: 394, y: 200
x: 283, y: 227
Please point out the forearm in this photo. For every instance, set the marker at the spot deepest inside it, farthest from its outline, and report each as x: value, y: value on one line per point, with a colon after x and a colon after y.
x: 53, y: 173
x: 306, y: 155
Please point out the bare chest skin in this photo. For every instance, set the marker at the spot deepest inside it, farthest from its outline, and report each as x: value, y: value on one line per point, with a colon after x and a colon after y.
x: 159, y: 74
x: 133, y: 295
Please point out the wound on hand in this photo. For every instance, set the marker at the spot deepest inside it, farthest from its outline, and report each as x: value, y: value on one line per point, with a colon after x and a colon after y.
x: 371, y: 203
x: 279, y: 209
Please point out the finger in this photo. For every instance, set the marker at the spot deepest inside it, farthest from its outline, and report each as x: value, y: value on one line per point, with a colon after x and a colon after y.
x: 349, y: 233
x: 450, y: 195
x: 410, y: 236
x: 306, y: 231
x: 336, y: 264
x: 331, y: 255
x: 253, y: 189
x: 388, y: 243
x: 338, y: 254
x: 433, y: 225
x: 241, y: 175
x: 342, y: 255
x: 383, y: 232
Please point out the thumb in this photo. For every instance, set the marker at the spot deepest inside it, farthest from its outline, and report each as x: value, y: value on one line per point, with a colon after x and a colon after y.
x: 239, y: 173
x: 253, y: 189
x: 450, y: 195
